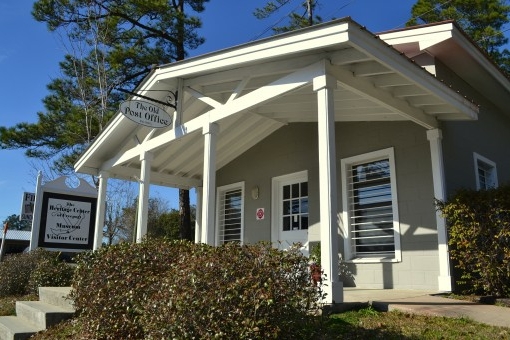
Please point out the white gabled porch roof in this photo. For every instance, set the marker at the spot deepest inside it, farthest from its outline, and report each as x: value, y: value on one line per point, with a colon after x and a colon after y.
x: 253, y: 89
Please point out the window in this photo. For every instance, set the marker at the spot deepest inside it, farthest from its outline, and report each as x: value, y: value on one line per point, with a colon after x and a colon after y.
x: 485, y: 171
x: 370, y: 207
x: 230, y: 213
x: 295, y: 206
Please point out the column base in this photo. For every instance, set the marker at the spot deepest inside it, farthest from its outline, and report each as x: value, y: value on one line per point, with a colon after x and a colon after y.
x: 444, y: 283
x: 334, y: 292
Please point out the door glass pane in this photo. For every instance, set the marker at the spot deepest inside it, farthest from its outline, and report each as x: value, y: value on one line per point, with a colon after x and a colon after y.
x: 304, y: 205
x: 304, y: 221
x: 286, y: 223
x: 295, y: 190
x: 286, y: 207
x: 295, y: 206
x: 286, y: 192
x: 295, y: 222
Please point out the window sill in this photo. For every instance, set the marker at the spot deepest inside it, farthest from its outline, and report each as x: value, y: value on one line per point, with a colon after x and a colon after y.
x: 373, y: 260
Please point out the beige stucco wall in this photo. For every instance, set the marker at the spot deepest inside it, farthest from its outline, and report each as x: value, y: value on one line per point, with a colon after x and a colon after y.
x: 293, y: 148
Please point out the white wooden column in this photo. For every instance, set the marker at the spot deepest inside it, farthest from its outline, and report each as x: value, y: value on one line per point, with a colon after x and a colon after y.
x: 36, y: 221
x: 198, y: 215
x: 101, y: 206
x: 210, y: 132
x: 324, y: 86
x: 436, y: 153
x: 143, y: 195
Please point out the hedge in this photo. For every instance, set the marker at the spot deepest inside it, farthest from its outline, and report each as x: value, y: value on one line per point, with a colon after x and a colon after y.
x: 161, y: 289
x: 479, y: 238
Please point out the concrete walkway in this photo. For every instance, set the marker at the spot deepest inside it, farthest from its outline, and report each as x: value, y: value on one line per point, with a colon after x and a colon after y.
x: 428, y: 303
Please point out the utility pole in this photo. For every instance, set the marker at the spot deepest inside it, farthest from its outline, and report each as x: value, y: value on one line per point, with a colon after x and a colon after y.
x: 310, y: 12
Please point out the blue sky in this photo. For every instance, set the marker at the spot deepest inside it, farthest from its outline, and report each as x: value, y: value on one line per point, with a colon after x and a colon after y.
x: 29, y: 57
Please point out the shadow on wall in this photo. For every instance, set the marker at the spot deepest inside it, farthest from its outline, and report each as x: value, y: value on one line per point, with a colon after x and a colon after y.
x: 346, y: 272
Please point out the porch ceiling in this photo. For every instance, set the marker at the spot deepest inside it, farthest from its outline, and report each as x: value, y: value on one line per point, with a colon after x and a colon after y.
x: 252, y: 90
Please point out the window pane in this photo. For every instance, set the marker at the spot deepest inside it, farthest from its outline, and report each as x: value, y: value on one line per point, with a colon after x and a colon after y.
x: 286, y: 223
x: 286, y: 192
x: 286, y: 207
x: 295, y: 190
x: 295, y: 206
x: 371, y: 210
x: 304, y: 206
x: 304, y: 189
x: 304, y: 221
x: 295, y: 223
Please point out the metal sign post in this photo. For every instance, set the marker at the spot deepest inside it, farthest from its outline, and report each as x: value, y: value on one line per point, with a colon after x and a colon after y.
x: 2, y: 247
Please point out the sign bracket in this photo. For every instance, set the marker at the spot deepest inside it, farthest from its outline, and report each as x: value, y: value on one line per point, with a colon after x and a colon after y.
x: 171, y: 97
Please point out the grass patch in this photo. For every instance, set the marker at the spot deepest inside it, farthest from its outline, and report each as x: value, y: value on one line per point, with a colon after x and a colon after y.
x: 8, y: 303
x: 370, y: 324
x: 359, y: 324
x: 501, y: 302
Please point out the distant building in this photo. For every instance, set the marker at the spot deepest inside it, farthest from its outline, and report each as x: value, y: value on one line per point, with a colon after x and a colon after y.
x: 16, y: 241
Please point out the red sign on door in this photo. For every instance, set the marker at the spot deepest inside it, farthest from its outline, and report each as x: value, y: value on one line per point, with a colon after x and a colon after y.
x: 260, y: 214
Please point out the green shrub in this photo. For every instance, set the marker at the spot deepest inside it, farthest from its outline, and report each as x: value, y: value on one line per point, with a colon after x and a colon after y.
x: 164, y: 290
x: 14, y: 274
x: 111, y: 284
x: 24, y: 273
x: 50, y: 271
x: 479, y: 239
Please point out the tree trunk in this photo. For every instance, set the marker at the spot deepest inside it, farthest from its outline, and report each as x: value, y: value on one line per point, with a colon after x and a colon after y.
x: 184, y: 216
x: 184, y: 204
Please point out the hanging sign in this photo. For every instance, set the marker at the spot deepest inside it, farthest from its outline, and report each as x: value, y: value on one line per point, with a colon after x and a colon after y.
x: 146, y: 113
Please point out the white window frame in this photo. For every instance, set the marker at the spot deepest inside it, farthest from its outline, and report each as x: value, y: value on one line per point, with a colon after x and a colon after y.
x: 346, y: 163
x: 219, y: 192
x: 490, y: 169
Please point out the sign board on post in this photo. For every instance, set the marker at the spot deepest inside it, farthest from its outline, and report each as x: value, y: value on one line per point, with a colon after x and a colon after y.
x: 64, y: 217
x: 27, y: 206
x: 67, y: 221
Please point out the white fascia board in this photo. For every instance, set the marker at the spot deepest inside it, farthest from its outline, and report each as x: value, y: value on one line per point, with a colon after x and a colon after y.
x: 424, y: 36
x: 391, y: 58
x: 258, y: 52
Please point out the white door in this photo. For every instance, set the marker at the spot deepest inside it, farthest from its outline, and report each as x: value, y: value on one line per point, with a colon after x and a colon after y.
x: 290, y: 207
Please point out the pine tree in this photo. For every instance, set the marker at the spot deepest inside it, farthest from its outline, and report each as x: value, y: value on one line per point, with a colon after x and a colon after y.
x: 112, y: 46
x: 296, y: 19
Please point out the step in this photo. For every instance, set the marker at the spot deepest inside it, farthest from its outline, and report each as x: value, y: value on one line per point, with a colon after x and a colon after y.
x: 42, y: 314
x: 14, y: 328
x: 58, y: 296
